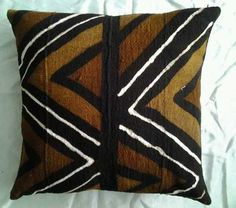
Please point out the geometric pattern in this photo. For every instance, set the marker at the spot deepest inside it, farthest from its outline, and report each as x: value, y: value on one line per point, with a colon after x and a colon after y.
x: 111, y: 102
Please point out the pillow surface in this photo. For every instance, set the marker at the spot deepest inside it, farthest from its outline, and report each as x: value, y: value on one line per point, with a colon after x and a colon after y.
x: 111, y: 102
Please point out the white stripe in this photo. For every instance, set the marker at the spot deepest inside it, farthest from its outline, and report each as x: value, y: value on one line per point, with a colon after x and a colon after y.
x: 83, y: 184
x: 200, y: 197
x: 50, y: 27
x: 154, y: 56
x: 135, y: 113
x: 53, y: 113
x: 163, y: 153
x: 63, y: 179
x: 59, y: 138
x: 53, y: 40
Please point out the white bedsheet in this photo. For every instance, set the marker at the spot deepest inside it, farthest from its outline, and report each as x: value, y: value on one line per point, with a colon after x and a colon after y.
x: 218, y: 101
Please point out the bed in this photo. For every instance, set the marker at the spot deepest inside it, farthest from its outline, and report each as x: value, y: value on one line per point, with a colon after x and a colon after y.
x: 218, y: 100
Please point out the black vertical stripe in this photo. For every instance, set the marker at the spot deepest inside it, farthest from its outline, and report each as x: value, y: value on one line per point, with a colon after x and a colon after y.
x: 110, y: 75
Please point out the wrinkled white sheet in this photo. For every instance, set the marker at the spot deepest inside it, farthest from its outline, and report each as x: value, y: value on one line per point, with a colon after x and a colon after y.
x: 218, y: 108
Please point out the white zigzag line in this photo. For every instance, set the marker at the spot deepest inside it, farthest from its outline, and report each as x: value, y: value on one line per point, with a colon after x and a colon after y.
x: 50, y: 27
x: 53, y: 40
x: 83, y: 184
x: 157, y: 53
x: 89, y: 160
x: 132, y: 111
x: 53, y: 113
x: 162, y: 153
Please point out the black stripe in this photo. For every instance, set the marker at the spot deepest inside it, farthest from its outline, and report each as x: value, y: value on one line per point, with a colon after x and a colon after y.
x: 131, y: 26
x: 179, y: 98
x: 59, y: 43
x: 109, y: 88
x: 61, y: 75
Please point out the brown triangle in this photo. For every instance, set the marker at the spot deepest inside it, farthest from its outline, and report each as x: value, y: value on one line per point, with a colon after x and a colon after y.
x: 90, y: 75
x: 55, y: 160
x: 124, y: 184
x: 193, y: 96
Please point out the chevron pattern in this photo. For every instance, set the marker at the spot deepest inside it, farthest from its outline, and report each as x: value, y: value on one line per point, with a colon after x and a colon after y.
x: 111, y: 103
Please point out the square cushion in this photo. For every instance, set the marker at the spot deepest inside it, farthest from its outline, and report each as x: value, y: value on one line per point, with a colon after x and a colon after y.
x: 111, y: 102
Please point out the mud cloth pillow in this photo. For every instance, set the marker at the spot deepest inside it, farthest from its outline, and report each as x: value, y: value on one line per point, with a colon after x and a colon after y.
x: 111, y: 102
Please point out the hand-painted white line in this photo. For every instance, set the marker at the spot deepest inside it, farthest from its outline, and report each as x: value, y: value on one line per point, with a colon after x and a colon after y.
x: 157, y: 53
x: 53, y: 113
x: 200, y: 197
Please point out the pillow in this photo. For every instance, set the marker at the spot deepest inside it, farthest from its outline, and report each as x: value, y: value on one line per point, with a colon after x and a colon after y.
x: 111, y: 102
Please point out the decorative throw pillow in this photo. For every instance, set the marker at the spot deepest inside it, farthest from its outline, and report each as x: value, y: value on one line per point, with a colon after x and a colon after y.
x: 111, y: 102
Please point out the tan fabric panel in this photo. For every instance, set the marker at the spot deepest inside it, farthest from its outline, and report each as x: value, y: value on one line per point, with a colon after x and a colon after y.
x: 90, y: 75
